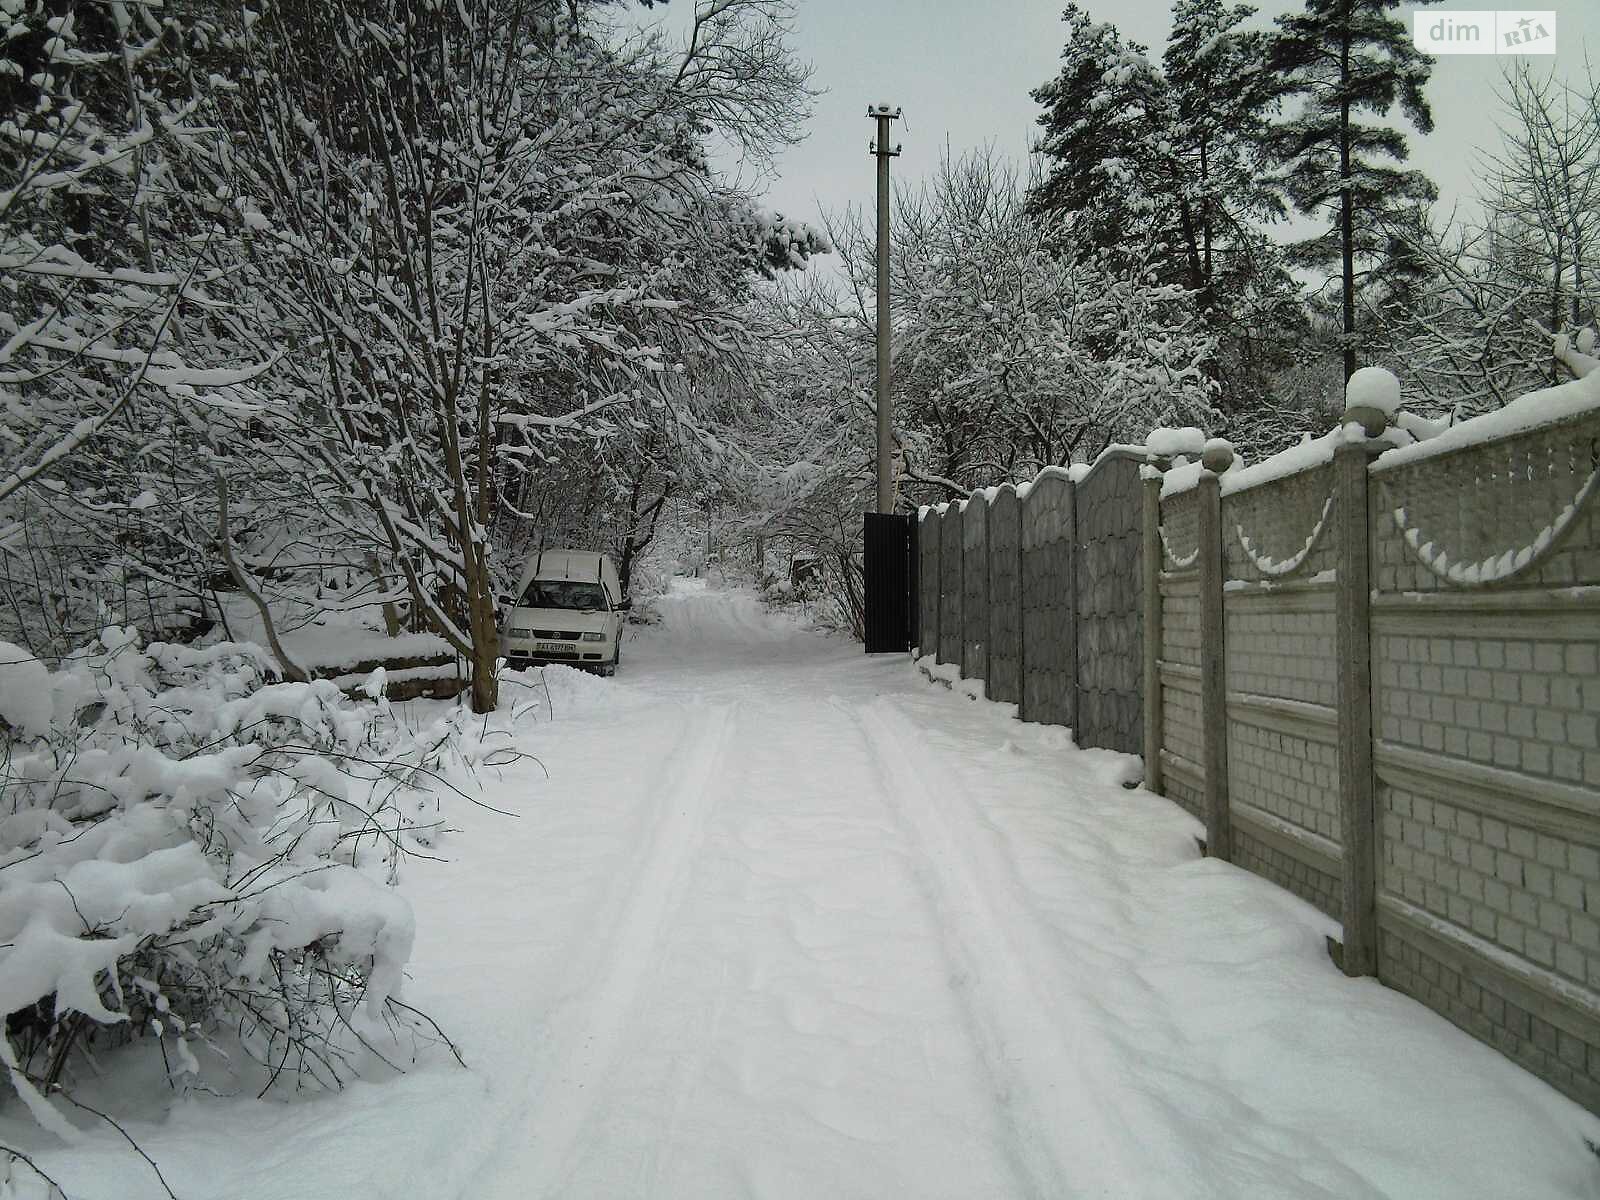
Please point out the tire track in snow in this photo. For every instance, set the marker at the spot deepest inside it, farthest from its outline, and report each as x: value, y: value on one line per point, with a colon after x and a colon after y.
x: 1064, y: 1142
x: 562, y: 1101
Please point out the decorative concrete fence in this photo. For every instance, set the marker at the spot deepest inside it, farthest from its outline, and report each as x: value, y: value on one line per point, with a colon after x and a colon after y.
x: 1372, y: 673
x: 1038, y: 591
x: 1370, y: 666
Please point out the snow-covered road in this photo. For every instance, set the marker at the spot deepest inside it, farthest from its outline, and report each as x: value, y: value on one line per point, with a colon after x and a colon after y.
x: 785, y: 921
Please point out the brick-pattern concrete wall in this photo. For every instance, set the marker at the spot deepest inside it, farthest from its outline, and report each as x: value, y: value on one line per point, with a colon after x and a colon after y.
x: 975, y: 589
x: 1004, y: 681
x: 1481, y: 618
x: 1279, y: 566
x: 1179, y: 658
x: 950, y: 585
x: 1519, y: 488
x: 1180, y: 723
x: 1049, y: 629
x: 928, y: 582
x: 1486, y: 709
x: 1110, y: 598
x: 1460, y: 846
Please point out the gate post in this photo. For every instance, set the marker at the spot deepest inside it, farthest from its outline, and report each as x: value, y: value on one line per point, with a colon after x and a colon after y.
x: 913, y: 598
x: 1214, y: 671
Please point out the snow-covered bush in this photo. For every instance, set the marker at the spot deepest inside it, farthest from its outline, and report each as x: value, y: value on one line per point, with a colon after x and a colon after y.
x: 192, y: 852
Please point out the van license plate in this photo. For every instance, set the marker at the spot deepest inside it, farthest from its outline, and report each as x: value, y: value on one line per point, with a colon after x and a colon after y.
x: 553, y: 647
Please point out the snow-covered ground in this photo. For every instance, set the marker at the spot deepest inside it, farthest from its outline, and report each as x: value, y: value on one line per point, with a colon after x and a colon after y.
x: 786, y: 921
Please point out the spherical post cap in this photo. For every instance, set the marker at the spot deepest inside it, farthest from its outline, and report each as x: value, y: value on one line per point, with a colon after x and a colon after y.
x: 1373, y: 421
x: 1217, y: 456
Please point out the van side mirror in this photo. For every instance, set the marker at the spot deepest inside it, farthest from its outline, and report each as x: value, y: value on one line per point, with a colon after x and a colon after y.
x: 625, y: 604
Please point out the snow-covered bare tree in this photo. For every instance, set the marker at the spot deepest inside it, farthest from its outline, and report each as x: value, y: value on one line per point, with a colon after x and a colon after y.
x: 1545, y: 195
x: 486, y: 223
x: 118, y: 387
x: 1014, y: 349
x: 1500, y: 284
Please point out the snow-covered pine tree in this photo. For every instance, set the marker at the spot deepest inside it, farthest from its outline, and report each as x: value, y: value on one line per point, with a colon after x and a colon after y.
x: 1338, y: 61
x: 1219, y: 97
x: 1105, y: 119
x: 1169, y: 162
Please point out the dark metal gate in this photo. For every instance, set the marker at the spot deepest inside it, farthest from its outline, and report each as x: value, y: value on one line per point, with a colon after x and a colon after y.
x: 889, y: 562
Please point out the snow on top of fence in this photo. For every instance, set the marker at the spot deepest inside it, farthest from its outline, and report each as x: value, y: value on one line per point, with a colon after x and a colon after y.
x: 1408, y: 438
x: 1307, y: 455
x: 1544, y: 407
x: 1073, y: 472
x: 1169, y: 443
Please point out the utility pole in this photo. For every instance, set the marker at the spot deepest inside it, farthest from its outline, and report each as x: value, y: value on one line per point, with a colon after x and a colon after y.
x: 883, y: 114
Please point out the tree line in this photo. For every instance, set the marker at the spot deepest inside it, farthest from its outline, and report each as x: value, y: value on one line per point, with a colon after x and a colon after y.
x: 321, y: 307
x: 1218, y: 234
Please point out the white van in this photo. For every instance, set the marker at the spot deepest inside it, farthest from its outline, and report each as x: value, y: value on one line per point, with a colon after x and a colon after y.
x: 568, y: 609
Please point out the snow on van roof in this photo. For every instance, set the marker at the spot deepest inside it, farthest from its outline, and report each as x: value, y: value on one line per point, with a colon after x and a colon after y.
x: 587, y: 566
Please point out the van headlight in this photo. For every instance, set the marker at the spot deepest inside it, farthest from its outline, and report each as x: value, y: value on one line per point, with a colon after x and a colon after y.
x: 594, y: 637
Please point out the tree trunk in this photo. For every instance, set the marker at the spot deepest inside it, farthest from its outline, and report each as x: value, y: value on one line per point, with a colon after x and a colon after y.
x: 485, y: 648
x: 391, y: 615
x: 1347, y: 221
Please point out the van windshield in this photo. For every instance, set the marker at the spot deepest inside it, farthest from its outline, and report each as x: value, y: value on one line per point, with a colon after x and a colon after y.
x: 563, y: 593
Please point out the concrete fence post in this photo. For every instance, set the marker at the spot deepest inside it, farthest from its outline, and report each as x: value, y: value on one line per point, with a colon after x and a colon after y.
x: 930, y: 530
x: 1152, y: 560
x: 1072, y: 607
x: 1353, y: 638
x: 980, y: 669
x: 1021, y: 626
x: 978, y: 634
x: 1214, y: 670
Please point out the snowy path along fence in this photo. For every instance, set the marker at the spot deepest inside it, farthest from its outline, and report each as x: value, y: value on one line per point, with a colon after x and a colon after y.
x: 1371, y: 672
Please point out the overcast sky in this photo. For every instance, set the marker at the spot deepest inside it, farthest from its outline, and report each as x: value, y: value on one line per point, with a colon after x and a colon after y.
x: 962, y: 71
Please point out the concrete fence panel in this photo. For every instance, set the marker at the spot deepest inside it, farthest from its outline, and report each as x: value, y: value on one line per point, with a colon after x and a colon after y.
x: 1178, y: 667
x: 1485, y: 632
x: 1109, y: 605
x: 1049, y: 622
x: 975, y: 589
x: 928, y: 582
x: 1374, y: 676
x: 1005, y: 597
x: 950, y: 584
x: 1278, y: 605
